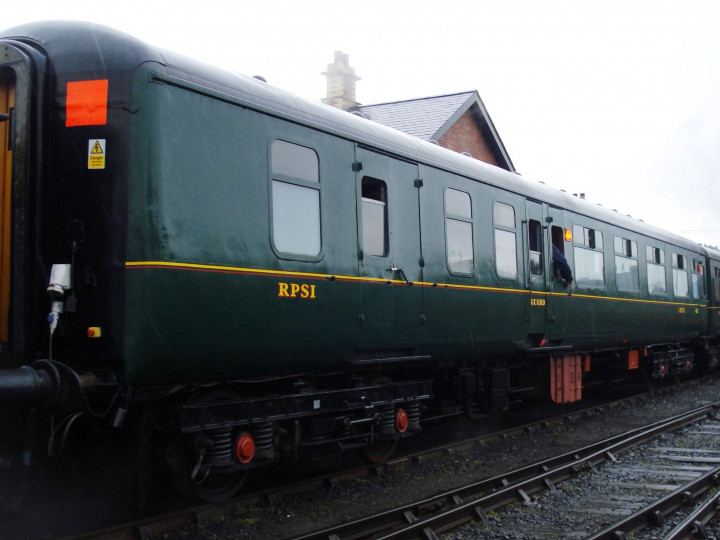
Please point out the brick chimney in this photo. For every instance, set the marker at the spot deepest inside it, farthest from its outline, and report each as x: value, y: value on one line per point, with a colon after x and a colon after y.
x: 341, y: 80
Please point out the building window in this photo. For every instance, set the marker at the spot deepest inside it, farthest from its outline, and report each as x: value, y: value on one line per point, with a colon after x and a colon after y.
x: 458, y: 232
x: 295, y: 199
x: 374, y: 217
x: 626, y: 265
x: 589, y: 258
x: 505, y: 245
x: 680, y: 275
x: 657, y: 283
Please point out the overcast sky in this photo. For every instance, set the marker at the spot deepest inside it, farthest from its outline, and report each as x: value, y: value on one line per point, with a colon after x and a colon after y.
x: 618, y: 99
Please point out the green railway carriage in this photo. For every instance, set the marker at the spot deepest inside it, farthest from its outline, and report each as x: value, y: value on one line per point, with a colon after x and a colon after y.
x: 264, y: 274
x: 712, y: 269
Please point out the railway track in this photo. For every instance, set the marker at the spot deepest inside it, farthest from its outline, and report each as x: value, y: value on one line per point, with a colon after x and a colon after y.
x: 191, y: 517
x: 477, y: 501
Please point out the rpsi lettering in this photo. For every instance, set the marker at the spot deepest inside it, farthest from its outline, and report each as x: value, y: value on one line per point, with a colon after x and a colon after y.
x: 296, y: 290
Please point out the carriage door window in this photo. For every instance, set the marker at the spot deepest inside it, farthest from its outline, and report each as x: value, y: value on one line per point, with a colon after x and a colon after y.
x: 458, y: 232
x: 505, y: 246
x: 698, y: 279
x: 657, y: 283
x: 680, y: 277
x: 716, y: 286
x: 535, y: 246
x: 295, y: 199
x: 374, y: 217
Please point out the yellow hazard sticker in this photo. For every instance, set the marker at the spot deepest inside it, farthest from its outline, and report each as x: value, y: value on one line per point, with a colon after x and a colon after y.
x: 96, y: 154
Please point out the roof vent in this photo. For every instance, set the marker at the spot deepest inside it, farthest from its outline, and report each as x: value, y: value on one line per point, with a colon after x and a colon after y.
x: 468, y: 154
x: 260, y: 78
x: 358, y: 113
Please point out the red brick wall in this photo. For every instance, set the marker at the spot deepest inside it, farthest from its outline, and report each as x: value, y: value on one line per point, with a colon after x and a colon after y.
x: 465, y: 136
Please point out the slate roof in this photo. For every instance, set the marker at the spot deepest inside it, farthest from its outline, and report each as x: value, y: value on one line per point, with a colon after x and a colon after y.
x: 421, y: 117
x: 429, y: 118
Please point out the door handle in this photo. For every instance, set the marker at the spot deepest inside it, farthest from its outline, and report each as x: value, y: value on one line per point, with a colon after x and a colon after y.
x: 399, y: 271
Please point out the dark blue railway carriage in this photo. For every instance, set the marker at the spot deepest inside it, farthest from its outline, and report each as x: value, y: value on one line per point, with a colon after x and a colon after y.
x: 262, y: 276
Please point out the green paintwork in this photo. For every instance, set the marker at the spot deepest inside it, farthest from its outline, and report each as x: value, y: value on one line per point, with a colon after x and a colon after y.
x: 199, y: 195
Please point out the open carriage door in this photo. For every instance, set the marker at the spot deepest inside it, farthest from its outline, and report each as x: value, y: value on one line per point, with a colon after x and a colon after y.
x: 18, y: 164
x: 536, y: 272
x: 7, y: 105
x: 558, y: 233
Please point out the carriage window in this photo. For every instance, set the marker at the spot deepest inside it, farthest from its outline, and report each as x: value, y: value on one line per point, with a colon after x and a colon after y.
x: 716, y: 285
x: 374, y: 217
x: 589, y: 259
x: 535, y: 240
x: 295, y: 199
x: 294, y: 161
x: 657, y: 284
x: 626, y: 265
x: 505, y: 245
x: 698, y: 279
x: 680, y: 275
x: 458, y: 231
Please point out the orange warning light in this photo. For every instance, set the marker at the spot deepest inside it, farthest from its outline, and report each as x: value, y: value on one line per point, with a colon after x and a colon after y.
x: 568, y: 235
x: 86, y: 103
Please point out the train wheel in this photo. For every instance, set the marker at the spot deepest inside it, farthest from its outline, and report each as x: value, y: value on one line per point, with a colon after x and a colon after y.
x: 217, y: 487
x: 380, y: 451
x: 184, y: 461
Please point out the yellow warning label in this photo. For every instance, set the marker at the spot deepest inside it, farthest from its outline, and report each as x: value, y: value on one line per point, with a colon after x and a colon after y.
x: 96, y: 154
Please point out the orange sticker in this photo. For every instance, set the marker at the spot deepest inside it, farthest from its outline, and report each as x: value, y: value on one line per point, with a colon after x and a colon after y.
x: 86, y: 103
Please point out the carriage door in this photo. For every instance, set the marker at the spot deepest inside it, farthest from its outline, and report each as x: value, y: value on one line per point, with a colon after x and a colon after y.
x: 389, y: 254
x: 557, y: 233
x: 535, y: 269
x: 7, y: 102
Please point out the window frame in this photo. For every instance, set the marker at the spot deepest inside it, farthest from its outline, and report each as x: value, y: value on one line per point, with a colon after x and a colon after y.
x: 381, y: 202
x: 626, y: 251
x: 499, y: 227
x: 585, y: 241
x: 697, y: 279
x: 655, y: 257
x: 298, y: 182
x: 458, y: 218
x: 679, y: 266
x: 535, y: 236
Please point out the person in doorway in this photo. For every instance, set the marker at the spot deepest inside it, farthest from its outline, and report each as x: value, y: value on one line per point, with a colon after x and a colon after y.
x: 563, y: 268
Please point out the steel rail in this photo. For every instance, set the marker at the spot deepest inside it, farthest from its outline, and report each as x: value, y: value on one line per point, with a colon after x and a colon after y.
x: 693, y: 526
x: 473, y: 500
x: 656, y: 512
